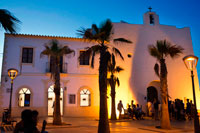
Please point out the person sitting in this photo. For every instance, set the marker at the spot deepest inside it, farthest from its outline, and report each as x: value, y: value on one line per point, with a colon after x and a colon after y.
x: 138, y: 113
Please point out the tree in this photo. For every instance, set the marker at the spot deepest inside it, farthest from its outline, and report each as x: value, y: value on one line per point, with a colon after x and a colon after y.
x: 103, y: 36
x: 55, y: 51
x: 8, y: 21
x: 161, y: 50
x: 112, y: 82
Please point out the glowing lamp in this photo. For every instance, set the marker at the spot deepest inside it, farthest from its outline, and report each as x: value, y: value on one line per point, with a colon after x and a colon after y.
x: 12, y: 73
x: 190, y: 62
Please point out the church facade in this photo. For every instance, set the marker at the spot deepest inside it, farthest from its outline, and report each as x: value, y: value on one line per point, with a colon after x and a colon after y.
x: 33, y: 87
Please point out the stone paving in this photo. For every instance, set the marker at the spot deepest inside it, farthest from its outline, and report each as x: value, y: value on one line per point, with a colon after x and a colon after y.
x: 90, y: 125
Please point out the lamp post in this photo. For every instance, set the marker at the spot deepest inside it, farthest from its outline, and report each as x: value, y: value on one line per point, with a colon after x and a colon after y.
x: 191, y: 63
x: 12, y: 73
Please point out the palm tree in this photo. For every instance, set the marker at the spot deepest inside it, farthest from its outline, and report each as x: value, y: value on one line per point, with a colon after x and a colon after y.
x: 161, y: 50
x: 55, y: 51
x: 103, y: 36
x: 8, y: 21
x: 112, y: 82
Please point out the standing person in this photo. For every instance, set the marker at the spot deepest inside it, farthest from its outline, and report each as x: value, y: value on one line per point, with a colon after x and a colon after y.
x: 149, y: 108
x: 155, y: 105
x: 132, y: 104
x: 188, y: 109
x: 25, y: 120
x: 119, y: 108
x: 28, y: 122
x: 132, y: 108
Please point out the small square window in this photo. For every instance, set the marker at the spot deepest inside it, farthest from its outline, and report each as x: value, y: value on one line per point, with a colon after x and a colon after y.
x: 84, y: 58
x: 72, y: 98
x: 27, y: 55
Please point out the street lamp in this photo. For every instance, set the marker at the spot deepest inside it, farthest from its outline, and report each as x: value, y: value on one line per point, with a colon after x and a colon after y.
x: 191, y: 63
x: 12, y: 73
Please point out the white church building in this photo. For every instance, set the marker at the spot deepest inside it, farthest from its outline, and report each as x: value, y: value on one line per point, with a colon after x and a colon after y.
x: 33, y: 87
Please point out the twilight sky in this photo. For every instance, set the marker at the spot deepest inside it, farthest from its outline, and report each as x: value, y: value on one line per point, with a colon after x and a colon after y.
x: 64, y: 17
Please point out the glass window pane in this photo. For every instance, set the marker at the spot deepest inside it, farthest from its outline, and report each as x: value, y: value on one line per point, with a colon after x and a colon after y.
x: 24, y: 97
x: 21, y: 100
x: 84, y: 58
x: 27, y: 100
x: 84, y: 100
x: 27, y: 55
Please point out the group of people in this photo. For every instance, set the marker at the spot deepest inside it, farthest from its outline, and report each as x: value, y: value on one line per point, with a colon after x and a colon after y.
x: 28, y: 123
x: 132, y: 110
x: 178, y: 111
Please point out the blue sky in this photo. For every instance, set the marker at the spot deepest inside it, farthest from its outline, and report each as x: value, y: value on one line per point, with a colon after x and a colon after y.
x: 64, y: 17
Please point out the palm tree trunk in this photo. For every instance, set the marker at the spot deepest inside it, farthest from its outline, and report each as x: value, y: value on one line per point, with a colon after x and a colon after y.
x: 103, y: 126
x: 165, y: 121
x: 113, y: 110
x: 56, y: 114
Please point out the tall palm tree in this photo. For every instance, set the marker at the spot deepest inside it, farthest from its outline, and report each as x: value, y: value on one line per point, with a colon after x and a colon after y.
x: 103, y: 36
x: 161, y: 50
x: 8, y: 21
x: 55, y: 51
x: 112, y: 82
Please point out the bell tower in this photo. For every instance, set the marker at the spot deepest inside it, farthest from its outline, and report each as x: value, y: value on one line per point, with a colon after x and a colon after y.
x: 150, y: 18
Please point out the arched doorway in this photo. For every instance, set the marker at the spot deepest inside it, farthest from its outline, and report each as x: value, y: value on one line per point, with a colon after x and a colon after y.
x: 152, y: 94
x: 51, y: 99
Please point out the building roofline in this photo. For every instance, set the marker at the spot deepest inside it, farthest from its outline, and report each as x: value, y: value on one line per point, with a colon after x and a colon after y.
x: 44, y: 36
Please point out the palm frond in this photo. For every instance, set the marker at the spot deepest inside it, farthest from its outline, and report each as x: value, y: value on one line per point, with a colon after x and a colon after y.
x: 113, y: 62
x: 86, y: 34
x: 121, y: 40
x: 95, y: 29
x: 47, y: 51
x: 153, y: 51
x: 118, y: 69
x: 175, y: 51
x: 81, y: 32
x: 8, y: 21
x: 117, y: 52
x: 117, y: 81
x: 66, y: 50
x: 106, y: 30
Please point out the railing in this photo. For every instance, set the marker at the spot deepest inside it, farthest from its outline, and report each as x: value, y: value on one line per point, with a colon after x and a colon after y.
x: 63, y: 67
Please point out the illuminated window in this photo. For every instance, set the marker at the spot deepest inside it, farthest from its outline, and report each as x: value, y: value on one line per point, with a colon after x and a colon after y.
x: 85, y: 97
x: 72, y: 98
x: 24, y: 97
x: 84, y: 58
x: 27, y: 55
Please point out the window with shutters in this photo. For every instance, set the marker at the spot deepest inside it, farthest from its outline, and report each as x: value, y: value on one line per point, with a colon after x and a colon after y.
x: 27, y: 55
x: 84, y: 58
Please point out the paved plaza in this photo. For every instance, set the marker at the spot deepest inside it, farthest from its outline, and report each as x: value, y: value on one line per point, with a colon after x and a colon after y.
x: 90, y: 125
